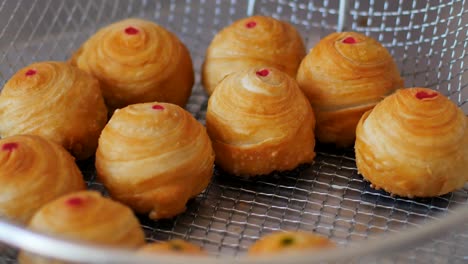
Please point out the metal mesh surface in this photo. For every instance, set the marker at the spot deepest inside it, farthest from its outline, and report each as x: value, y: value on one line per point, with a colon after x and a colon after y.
x: 427, y: 38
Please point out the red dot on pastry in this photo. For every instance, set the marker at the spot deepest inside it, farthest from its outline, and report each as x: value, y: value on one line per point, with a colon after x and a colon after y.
x: 251, y: 24
x: 158, y: 107
x: 74, y: 201
x: 263, y: 72
x: 423, y: 95
x: 30, y: 72
x: 131, y: 30
x: 349, y: 40
x: 10, y: 146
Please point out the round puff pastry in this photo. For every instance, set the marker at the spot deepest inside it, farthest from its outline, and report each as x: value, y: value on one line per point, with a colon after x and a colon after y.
x: 34, y: 171
x: 57, y: 101
x: 414, y: 144
x: 176, y: 246
x: 249, y: 42
x: 154, y: 157
x: 343, y: 76
x: 137, y: 61
x: 287, y: 242
x: 86, y: 216
x: 259, y: 122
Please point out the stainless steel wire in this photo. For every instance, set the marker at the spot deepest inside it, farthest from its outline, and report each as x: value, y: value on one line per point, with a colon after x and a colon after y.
x: 428, y: 40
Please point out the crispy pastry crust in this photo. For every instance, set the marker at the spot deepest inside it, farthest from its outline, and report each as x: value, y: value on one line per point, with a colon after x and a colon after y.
x: 259, y: 124
x: 34, y: 171
x: 289, y: 242
x: 154, y: 159
x: 344, y: 80
x: 413, y: 147
x: 250, y: 42
x: 57, y: 101
x: 176, y: 246
x: 150, y: 64
x: 88, y: 217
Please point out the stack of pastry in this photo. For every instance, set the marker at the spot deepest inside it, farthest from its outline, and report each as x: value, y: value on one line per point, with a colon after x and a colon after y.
x: 343, y: 76
x: 56, y: 101
x: 154, y: 156
x: 34, y: 171
x: 252, y: 42
x: 87, y: 217
x: 137, y: 61
x: 259, y: 122
x: 414, y: 144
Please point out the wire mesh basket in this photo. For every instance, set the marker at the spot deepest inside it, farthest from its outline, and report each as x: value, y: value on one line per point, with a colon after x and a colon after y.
x: 428, y: 39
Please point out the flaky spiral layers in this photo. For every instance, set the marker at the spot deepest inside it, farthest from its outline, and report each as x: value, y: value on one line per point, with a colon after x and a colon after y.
x: 34, y: 171
x: 343, y: 76
x: 249, y: 42
x: 154, y: 157
x: 176, y: 246
x: 88, y: 217
x: 137, y: 61
x: 414, y: 144
x: 259, y: 122
x: 57, y: 101
x: 289, y: 242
